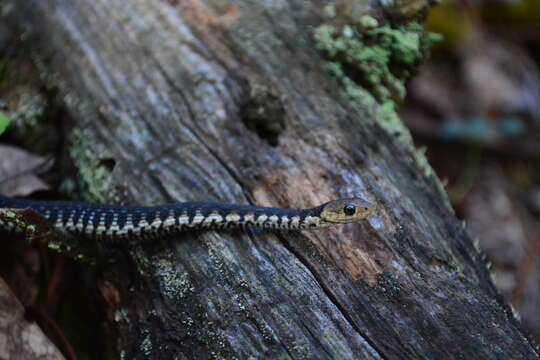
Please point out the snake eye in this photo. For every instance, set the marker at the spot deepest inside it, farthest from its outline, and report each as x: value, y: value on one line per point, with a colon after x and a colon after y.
x: 349, y: 210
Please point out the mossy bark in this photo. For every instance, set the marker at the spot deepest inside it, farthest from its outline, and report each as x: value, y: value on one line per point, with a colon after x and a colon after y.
x: 232, y: 101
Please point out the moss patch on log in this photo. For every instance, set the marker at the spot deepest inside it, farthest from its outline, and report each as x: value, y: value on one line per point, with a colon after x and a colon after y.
x: 372, y: 62
x: 96, y: 181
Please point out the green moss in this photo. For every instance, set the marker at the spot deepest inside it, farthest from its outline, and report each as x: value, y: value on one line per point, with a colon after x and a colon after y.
x: 379, y: 58
x: 391, y: 122
x: 422, y: 161
x: 404, y: 43
x: 54, y: 246
x: 367, y: 22
x: 19, y: 222
x: 95, y: 177
x: 371, y: 62
x: 146, y: 346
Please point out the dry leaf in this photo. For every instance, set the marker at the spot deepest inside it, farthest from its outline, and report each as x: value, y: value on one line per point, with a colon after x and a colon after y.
x: 19, y: 169
x: 20, y: 338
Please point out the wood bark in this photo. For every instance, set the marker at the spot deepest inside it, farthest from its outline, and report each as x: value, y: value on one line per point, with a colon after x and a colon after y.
x: 228, y: 101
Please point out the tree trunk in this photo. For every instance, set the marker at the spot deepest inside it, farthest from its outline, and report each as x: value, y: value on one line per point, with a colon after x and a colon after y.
x: 231, y: 101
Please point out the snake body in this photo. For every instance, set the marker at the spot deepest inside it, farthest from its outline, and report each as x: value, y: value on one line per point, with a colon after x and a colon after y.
x: 113, y: 222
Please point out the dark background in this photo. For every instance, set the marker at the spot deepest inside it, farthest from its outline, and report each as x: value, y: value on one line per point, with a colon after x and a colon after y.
x: 475, y: 106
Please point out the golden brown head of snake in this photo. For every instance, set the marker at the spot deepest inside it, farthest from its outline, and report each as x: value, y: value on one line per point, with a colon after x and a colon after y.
x: 345, y: 211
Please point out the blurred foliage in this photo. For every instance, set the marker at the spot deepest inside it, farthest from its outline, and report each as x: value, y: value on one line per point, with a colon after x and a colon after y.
x: 4, y: 122
x: 522, y: 12
x: 475, y: 105
x: 447, y: 19
x: 377, y: 55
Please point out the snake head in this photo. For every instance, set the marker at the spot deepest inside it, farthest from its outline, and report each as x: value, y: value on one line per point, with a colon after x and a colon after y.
x: 345, y: 211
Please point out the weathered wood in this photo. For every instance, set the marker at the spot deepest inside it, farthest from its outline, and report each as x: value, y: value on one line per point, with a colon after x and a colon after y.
x: 229, y: 101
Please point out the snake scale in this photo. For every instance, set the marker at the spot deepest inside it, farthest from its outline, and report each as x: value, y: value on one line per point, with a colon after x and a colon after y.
x: 113, y: 222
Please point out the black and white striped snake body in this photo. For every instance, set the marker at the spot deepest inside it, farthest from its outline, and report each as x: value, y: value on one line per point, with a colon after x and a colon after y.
x: 112, y: 222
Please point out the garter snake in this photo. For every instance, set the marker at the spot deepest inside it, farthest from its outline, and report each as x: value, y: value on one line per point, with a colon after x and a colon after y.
x: 114, y: 222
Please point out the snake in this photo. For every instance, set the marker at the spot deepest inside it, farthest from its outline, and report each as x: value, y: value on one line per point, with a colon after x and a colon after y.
x: 116, y: 222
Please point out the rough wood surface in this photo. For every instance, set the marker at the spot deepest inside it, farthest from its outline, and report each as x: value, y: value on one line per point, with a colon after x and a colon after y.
x: 228, y: 101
